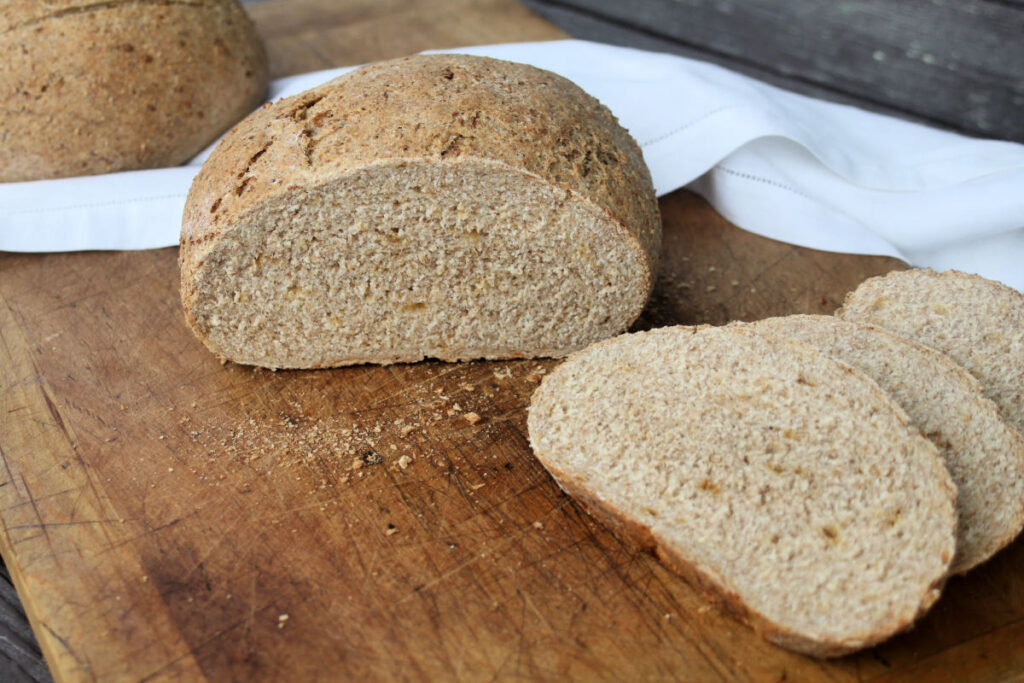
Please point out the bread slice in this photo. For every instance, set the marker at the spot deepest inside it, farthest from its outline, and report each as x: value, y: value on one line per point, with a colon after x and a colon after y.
x: 441, y: 206
x: 984, y: 455
x: 978, y: 323
x: 785, y: 482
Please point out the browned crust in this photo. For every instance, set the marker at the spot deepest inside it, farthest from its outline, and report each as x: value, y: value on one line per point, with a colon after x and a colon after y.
x: 97, y: 87
x: 439, y: 107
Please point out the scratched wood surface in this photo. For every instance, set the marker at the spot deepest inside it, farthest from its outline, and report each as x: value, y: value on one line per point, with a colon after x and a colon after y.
x: 165, y: 516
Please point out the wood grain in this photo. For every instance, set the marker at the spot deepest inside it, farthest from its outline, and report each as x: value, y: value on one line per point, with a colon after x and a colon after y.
x: 956, y: 65
x: 165, y: 516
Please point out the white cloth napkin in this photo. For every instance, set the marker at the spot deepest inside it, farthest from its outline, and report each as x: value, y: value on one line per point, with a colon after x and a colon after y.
x: 782, y: 165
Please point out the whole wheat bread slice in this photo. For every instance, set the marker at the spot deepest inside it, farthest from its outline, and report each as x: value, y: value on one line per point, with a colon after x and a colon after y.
x: 784, y: 482
x: 984, y: 455
x: 441, y: 206
x: 977, y: 322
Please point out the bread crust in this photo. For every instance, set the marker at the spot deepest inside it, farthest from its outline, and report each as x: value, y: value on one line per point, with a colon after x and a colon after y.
x: 97, y: 87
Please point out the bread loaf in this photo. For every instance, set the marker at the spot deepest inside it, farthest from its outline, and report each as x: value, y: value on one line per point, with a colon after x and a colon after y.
x: 784, y: 482
x: 977, y: 322
x: 984, y: 455
x: 96, y: 87
x: 440, y: 206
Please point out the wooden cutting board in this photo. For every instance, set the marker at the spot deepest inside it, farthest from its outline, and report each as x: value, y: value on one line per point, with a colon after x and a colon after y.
x: 165, y: 516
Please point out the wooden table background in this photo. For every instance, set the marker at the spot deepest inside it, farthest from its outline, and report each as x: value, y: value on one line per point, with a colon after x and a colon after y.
x: 79, y: 332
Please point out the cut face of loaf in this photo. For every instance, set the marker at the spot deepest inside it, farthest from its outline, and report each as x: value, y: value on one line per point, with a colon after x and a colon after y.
x: 984, y: 455
x: 787, y: 483
x: 976, y: 322
x: 440, y: 206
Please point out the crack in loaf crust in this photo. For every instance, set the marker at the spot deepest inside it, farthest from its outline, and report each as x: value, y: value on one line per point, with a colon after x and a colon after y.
x: 428, y: 177
x: 789, y: 488
x: 97, y: 87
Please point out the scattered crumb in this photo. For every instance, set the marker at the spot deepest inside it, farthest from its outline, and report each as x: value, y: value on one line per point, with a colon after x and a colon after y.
x: 477, y: 486
x: 170, y: 469
x: 471, y: 418
x: 538, y: 524
x: 391, y: 530
x: 735, y: 283
x: 406, y: 430
x: 281, y: 619
x: 404, y: 461
x: 533, y: 378
x: 357, y: 463
x: 710, y: 288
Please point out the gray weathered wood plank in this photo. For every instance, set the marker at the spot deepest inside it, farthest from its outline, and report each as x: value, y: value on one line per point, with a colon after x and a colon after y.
x: 20, y: 658
x: 958, y: 65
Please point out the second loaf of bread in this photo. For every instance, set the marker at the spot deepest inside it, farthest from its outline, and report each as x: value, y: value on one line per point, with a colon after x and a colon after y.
x: 98, y: 87
x: 440, y: 206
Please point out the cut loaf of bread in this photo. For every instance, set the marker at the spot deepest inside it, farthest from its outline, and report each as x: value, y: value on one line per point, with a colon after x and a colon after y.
x: 441, y: 206
x: 95, y: 87
x: 783, y: 481
x: 977, y: 322
x: 984, y: 455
